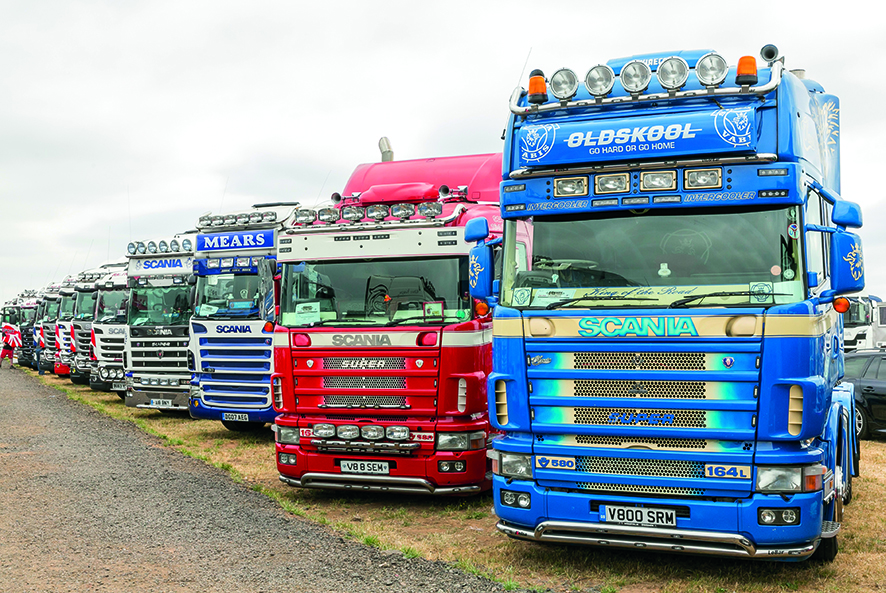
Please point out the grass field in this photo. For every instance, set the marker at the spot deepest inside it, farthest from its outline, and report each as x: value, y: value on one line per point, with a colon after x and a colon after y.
x: 462, y: 530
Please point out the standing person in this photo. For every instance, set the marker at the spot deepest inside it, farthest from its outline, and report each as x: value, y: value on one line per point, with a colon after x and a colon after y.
x: 9, y: 342
x: 38, y: 347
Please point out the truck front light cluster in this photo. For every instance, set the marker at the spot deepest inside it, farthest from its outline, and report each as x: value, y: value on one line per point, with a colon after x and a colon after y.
x: 324, y: 431
x: 673, y: 73
x: 107, y: 374
x: 701, y: 179
x: 348, y: 431
x: 449, y: 467
x: 353, y: 213
x: 511, y: 465
x: 461, y: 441
x: 658, y: 180
x: 611, y: 184
x: 430, y: 209
x: 287, y: 435
x: 287, y: 459
x: 278, y: 392
x: 378, y: 212
x: 785, y: 479
x: 521, y: 500
x: 372, y: 432
x: 397, y: 433
x: 570, y: 186
x: 778, y: 516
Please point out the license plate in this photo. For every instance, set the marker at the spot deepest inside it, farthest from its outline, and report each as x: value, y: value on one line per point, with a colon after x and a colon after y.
x: 118, y: 386
x: 364, y: 467
x: 162, y: 402
x: 638, y: 516
x: 235, y: 417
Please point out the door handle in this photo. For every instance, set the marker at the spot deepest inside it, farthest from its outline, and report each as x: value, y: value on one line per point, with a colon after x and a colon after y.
x: 868, y: 389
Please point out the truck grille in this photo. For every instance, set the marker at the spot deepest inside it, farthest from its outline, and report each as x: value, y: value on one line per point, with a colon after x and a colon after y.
x: 644, y: 442
x: 644, y: 389
x: 49, y: 335
x: 639, y: 417
x: 347, y: 363
x: 364, y: 382
x: 369, y: 401
x: 641, y: 361
x: 640, y: 489
x: 625, y: 466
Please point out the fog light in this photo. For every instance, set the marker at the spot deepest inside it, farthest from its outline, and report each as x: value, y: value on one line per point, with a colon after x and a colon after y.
x: 611, y: 184
x: 459, y: 466
x: 287, y: 459
x: 397, y: 433
x: 789, y: 516
x: 701, y: 178
x: 372, y: 432
x: 660, y: 180
x: 430, y: 209
x: 402, y: 211
x: 348, y: 431
x: 327, y: 214
x: 444, y: 466
x: 352, y: 213
x: 767, y: 516
x: 524, y: 501
x: 324, y: 431
x: 571, y: 186
x: 508, y: 497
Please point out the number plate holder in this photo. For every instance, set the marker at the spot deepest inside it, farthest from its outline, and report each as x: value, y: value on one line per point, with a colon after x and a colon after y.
x: 165, y: 403
x: 236, y: 417
x: 644, y: 516
x: 118, y: 386
x: 379, y: 468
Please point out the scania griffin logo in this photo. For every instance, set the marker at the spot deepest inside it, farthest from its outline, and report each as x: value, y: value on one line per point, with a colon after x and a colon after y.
x: 361, y: 340
x: 233, y: 329
x: 362, y: 363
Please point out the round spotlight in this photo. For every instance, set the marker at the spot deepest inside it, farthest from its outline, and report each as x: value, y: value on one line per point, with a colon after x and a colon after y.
x: 140, y: 247
x: 163, y: 246
x: 218, y: 220
x: 242, y: 218
x: 131, y: 249
x: 767, y: 516
x: 599, y: 80
x: 635, y: 76
x: 152, y: 247
x: 204, y: 221
x: 230, y: 219
x: 377, y: 212
x: 305, y: 216
x: 564, y: 84
x: 328, y: 214
x: 255, y: 217
x: 403, y: 211
x: 173, y: 245
x: 673, y: 73
x: 269, y: 216
x: 353, y: 213
x: 186, y: 245
x: 711, y: 69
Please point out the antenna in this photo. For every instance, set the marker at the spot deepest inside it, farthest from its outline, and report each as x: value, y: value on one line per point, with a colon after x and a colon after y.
x: 71, y: 265
x: 319, y: 193
x: 221, y: 208
x: 129, y: 208
x: 85, y: 261
x: 109, y: 243
x: 524, y: 67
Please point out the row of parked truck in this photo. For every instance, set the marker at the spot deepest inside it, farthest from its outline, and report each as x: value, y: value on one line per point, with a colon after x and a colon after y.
x: 627, y: 324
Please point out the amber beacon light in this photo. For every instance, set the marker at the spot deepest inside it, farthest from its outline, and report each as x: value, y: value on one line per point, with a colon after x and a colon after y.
x: 746, y: 71
x: 538, y: 92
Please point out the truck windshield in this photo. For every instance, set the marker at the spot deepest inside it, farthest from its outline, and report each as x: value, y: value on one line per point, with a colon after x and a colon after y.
x: 656, y: 257
x: 226, y: 296
x: 85, y: 306
x: 10, y: 315
x: 111, y: 306
x: 160, y: 306
x: 28, y: 316
x: 52, y: 308
x: 66, y: 309
x: 376, y: 292
x: 857, y: 315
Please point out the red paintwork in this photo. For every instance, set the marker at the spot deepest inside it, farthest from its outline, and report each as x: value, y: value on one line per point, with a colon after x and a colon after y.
x: 432, y: 389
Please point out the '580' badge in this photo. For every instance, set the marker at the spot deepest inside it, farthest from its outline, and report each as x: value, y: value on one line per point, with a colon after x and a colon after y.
x: 545, y: 462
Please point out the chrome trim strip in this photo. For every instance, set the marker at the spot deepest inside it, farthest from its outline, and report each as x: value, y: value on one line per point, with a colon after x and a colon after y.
x: 653, y: 538
x: 374, y: 484
x: 764, y: 157
x: 774, y: 81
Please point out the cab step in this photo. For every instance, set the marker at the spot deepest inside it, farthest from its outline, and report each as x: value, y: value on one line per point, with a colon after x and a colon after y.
x: 829, y: 528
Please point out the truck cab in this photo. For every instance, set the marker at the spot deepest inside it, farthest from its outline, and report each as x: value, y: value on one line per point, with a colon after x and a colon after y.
x: 108, y: 333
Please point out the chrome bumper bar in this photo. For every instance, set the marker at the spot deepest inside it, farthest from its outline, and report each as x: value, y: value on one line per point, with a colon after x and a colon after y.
x: 655, y: 539
x: 375, y: 484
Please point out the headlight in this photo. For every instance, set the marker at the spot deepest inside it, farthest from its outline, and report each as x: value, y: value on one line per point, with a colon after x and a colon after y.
x: 186, y: 245
x: 378, y: 212
x: 780, y: 479
x: 152, y: 247
x: 324, y: 431
x: 658, y: 181
x: 673, y: 73
x: 287, y: 434
x: 227, y: 262
x: 599, y: 80
x: 372, y: 432
x: 564, y: 84
x: 212, y: 263
x: 131, y: 249
x: 635, y: 76
x: 516, y: 465
x: 611, y: 184
x: 352, y: 213
x: 305, y: 216
x: 242, y: 262
x: 701, y: 178
x: 570, y: 186
x: 328, y: 214
x: 461, y: 441
x: 397, y: 433
x: 173, y: 245
x: 163, y: 246
x: 402, y: 211
x: 255, y: 217
x: 348, y: 431
x: 141, y: 247
x: 430, y: 209
x: 711, y: 69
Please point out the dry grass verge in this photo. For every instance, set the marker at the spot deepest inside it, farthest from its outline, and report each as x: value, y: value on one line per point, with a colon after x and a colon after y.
x: 462, y: 530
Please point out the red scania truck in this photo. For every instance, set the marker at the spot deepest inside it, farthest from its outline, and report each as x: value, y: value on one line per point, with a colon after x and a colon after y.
x: 380, y: 354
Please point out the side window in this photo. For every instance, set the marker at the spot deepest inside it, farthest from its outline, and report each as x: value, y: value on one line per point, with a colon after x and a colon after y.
x: 853, y: 366
x: 881, y: 311
x: 872, y: 371
x: 881, y: 371
x: 826, y: 212
x: 814, y: 239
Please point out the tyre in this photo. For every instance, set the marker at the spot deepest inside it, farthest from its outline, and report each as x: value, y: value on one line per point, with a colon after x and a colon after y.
x: 80, y: 380
x: 827, y: 550
x: 242, y: 426
x: 847, y: 492
x: 121, y: 394
x: 862, y: 423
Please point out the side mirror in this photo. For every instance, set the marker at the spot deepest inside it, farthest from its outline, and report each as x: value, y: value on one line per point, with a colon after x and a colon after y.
x: 847, y: 214
x: 480, y: 272
x: 847, y: 263
x: 192, y: 279
x: 192, y: 295
x: 477, y: 229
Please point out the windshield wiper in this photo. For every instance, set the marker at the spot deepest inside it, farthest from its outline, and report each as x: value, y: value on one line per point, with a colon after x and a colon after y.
x: 408, y: 319
x: 337, y: 320
x: 689, y: 299
x: 610, y: 297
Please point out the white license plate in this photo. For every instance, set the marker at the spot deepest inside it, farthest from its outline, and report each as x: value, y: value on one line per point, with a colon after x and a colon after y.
x: 235, y: 417
x: 364, y: 467
x: 162, y: 402
x: 118, y: 386
x: 638, y: 516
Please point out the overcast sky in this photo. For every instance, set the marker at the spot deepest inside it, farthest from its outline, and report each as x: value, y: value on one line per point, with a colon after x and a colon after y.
x: 127, y: 120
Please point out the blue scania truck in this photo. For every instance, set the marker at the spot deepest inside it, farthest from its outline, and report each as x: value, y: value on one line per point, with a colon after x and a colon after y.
x: 231, y: 356
x: 667, y: 365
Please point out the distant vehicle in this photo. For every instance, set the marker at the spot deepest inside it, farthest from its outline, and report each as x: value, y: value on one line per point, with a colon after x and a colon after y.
x: 866, y: 369
x: 862, y: 327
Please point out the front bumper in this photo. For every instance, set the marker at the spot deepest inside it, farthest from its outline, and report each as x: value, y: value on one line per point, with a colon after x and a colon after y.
x: 200, y: 411
x: 149, y: 399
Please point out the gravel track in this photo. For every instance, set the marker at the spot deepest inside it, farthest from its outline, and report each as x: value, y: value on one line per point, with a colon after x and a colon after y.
x: 89, y: 503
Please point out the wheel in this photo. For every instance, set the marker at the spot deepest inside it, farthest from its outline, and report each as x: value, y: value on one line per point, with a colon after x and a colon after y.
x: 235, y: 426
x: 861, y: 423
x: 827, y: 550
x: 80, y: 380
x: 847, y: 492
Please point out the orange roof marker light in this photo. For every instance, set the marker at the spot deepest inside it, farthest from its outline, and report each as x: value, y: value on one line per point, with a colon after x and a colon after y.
x: 746, y: 72
x: 538, y: 90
